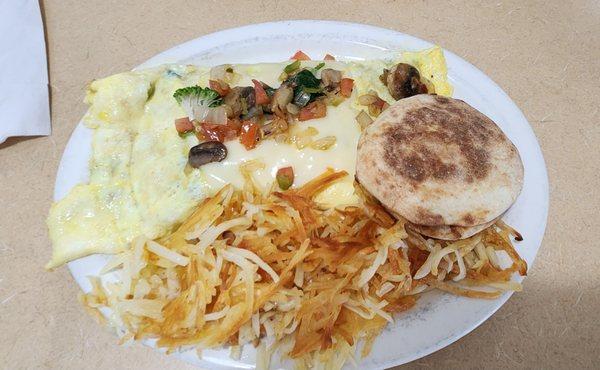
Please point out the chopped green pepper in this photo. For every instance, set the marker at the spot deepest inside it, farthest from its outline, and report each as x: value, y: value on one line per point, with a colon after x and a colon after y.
x: 292, y: 67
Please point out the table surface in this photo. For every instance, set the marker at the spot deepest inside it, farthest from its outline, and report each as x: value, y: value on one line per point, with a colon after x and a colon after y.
x: 544, y: 54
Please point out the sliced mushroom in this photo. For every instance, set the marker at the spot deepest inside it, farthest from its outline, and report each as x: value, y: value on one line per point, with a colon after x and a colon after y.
x: 403, y: 80
x: 207, y: 152
x: 249, y: 96
x: 331, y: 78
x: 222, y: 72
x: 255, y: 111
x: 240, y: 100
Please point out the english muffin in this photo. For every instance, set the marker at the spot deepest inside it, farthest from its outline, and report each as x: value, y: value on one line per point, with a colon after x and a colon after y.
x: 438, y: 162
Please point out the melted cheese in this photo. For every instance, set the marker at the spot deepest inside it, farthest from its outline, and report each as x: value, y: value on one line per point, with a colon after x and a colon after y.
x: 307, y: 163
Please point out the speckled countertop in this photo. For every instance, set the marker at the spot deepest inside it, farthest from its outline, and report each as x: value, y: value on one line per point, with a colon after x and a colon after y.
x: 544, y: 54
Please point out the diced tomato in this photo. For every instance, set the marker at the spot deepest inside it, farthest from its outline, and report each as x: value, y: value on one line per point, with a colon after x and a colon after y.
x: 221, y: 133
x: 183, y: 125
x: 249, y: 134
x: 380, y: 103
x: 235, y: 125
x: 285, y: 177
x: 316, y: 109
x: 261, y: 94
x: 346, y: 86
x: 222, y: 88
x: 329, y: 57
x: 300, y: 56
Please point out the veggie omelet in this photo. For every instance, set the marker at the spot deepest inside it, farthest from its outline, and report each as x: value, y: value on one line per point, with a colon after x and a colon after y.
x: 141, y: 182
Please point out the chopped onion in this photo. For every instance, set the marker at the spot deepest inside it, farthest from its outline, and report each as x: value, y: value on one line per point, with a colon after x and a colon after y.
x: 363, y: 119
x: 374, y: 110
x: 292, y: 108
x: 323, y: 143
x: 216, y: 115
x: 283, y: 95
x: 223, y: 72
x: 281, y: 138
x: 367, y: 99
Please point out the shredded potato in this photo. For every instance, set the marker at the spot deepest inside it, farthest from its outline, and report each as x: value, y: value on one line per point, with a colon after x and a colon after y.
x: 260, y: 267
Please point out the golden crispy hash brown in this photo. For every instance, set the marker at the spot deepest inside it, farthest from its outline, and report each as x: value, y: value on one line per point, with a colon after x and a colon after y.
x: 276, y: 270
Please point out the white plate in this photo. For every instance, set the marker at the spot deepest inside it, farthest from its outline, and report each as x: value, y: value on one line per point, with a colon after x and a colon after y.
x: 438, y: 319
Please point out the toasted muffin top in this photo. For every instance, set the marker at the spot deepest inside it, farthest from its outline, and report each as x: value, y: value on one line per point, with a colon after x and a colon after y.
x: 437, y: 161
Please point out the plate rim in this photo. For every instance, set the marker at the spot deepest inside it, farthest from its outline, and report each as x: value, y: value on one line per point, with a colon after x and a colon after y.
x: 178, y: 52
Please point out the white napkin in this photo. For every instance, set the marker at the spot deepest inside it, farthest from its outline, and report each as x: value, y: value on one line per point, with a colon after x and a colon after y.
x: 24, y: 105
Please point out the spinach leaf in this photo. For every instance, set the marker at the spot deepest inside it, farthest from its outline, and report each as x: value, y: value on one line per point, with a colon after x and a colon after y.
x: 305, y: 78
x: 269, y: 90
x: 306, y: 87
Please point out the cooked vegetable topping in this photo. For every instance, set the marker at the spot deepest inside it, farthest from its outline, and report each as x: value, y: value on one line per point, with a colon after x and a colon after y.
x: 306, y: 87
x: 363, y: 119
x: 304, y: 138
x: 318, y: 66
x: 346, y: 86
x: 207, y: 152
x: 201, y: 104
x: 222, y: 88
x: 239, y: 100
x: 367, y: 99
x: 292, y: 67
x: 379, y: 106
x: 261, y: 96
x: 282, y: 97
x: 300, y: 56
x: 301, y: 97
x: 329, y: 57
x: 249, y: 134
x: 323, y: 143
x: 276, y: 126
x: 214, y: 132
x: 183, y: 125
x: 223, y: 73
x: 331, y: 78
x: 292, y: 109
x: 220, y: 113
x: 375, y: 104
x: 285, y: 177
x: 402, y: 81
x: 316, y: 109
x: 304, y: 78
x: 204, y: 96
